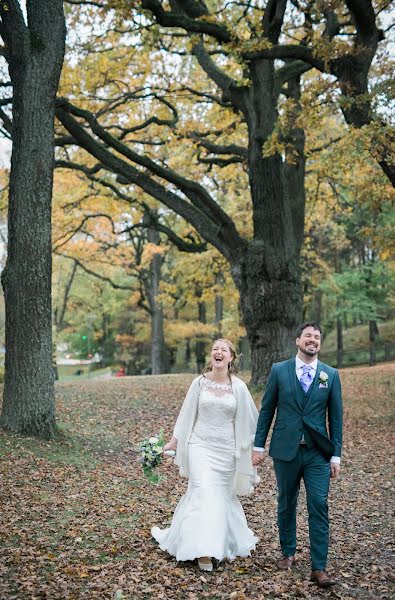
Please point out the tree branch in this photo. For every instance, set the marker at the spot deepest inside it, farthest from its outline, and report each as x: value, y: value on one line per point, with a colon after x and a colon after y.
x: 59, y: 318
x: 220, y: 162
x: 228, y: 85
x: 273, y: 19
x: 364, y: 17
x: 154, y: 222
x: 204, y: 214
x: 284, y: 52
x: 191, y: 25
x: 221, y: 149
x: 70, y: 234
x: 114, y: 285
x: 13, y: 30
x: 6, y: 122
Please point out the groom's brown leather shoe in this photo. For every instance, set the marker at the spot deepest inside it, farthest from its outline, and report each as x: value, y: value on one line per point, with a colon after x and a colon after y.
x: 285, y: 562
x: 322, y: 579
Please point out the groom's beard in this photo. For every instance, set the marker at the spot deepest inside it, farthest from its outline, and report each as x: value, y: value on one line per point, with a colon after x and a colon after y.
x: 308, y: 352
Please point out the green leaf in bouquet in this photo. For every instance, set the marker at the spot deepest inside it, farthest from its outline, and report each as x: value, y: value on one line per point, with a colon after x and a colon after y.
x: 152, y: 476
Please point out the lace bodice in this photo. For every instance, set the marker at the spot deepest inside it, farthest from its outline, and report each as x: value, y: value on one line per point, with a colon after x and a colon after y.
x: 216, y: 411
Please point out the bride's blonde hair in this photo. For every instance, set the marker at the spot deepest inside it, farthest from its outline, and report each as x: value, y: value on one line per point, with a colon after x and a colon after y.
x: 232, y: 367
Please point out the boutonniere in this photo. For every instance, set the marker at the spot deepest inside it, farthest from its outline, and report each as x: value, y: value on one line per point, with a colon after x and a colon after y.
x: 323, y: 379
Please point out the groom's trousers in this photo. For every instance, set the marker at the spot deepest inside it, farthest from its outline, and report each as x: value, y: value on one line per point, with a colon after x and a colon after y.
x: 310, y: 465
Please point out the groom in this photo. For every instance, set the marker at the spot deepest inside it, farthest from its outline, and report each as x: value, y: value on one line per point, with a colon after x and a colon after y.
x: 304, y: 391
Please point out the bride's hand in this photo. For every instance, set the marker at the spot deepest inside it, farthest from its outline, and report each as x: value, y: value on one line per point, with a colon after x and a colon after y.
x: 172, y: 445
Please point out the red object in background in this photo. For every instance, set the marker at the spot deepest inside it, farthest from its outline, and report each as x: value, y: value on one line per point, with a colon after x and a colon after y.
x: 120, y: 373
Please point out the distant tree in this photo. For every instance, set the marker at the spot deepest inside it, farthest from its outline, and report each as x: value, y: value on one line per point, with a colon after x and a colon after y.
x: 349, y: 238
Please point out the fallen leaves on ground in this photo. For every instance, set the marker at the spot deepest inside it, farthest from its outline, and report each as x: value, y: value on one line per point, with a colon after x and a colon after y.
x: 76, y: 513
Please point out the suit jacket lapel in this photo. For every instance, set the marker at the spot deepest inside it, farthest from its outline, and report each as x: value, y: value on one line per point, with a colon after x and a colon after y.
x: 292, y: 381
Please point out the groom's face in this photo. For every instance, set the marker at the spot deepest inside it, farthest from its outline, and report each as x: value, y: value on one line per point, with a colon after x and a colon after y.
x: 309, y: 343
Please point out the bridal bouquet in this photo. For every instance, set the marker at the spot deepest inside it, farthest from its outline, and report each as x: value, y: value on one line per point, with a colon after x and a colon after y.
x: 151, y: 454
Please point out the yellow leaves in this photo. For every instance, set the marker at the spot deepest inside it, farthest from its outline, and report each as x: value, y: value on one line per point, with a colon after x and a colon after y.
x: 277, y: 141
x: 176, y: 330
x: 134, y: 299
x: 168, y: 293
x: 254, y: 44
x: 273, y: 145
x: 385, y: 254
x: 329, y: 49
x: 209, y: 18
x: 150, y: 250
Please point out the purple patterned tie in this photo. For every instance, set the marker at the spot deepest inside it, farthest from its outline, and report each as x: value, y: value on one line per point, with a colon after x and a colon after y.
x: 306, y: 378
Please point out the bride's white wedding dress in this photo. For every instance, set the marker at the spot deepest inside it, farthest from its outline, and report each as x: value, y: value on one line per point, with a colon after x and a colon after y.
x: 209, y: 519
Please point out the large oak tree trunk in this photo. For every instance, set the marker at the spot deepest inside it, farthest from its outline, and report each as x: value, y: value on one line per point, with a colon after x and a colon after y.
x: 267, y: 274
x: 271, y: 310
x: 35, y: 56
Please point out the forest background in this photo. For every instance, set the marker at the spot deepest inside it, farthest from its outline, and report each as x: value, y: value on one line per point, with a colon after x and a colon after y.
x: 137, y: 284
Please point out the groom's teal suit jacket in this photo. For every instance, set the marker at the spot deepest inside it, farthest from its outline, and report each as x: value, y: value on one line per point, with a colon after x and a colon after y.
x: 299, y: 413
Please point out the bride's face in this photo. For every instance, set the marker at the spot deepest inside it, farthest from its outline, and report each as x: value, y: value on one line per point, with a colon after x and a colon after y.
x: 221, y: 355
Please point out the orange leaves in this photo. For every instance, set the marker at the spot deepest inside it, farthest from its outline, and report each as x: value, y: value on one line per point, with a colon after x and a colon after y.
x: 151, y: 250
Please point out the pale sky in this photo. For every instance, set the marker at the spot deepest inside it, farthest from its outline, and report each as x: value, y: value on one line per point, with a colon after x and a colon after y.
x: 5, y: 152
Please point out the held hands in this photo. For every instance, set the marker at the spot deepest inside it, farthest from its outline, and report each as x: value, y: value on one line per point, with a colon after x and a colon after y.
x: 335, y: 470
x: 257, y: 457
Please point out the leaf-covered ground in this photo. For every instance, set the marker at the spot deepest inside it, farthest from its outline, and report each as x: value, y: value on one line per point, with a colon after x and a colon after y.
x: 76, y: 513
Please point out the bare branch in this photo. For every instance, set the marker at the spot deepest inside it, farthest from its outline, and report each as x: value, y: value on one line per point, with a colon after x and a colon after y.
x: 204, y: 213
x: 6, y: 122
x: 70, y: 234
x: 13, y: 30
x: 221, y: 149
x: 284, y: 52
x: 114, y: 285
x: 326, y: 145
x: 220, y: 162
x: 170, y: 19
x: 152, y: 222
x: 228, y: 85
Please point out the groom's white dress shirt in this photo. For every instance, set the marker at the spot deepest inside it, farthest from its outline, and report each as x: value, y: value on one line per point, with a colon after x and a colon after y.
x: 299, y: 364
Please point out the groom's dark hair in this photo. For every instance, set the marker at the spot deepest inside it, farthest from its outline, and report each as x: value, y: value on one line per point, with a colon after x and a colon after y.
x: 302, y: 327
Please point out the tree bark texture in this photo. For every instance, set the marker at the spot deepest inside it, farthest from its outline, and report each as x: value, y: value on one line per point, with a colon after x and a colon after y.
x: 373, y: 334
x: 340, y: 347
x: 159, y: 362
x: 270, y: 302
x: 200, y: 348
x: 35, y: 56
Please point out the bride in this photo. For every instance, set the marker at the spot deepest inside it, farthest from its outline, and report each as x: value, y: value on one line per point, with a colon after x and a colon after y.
x: 213, y: 439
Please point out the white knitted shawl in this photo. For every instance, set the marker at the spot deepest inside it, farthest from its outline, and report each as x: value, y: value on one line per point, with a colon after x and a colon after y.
x: 246, y: 418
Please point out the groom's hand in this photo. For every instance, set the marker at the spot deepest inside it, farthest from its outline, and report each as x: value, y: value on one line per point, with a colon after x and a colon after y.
x: 335, y: 470
x: 257, y: 457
